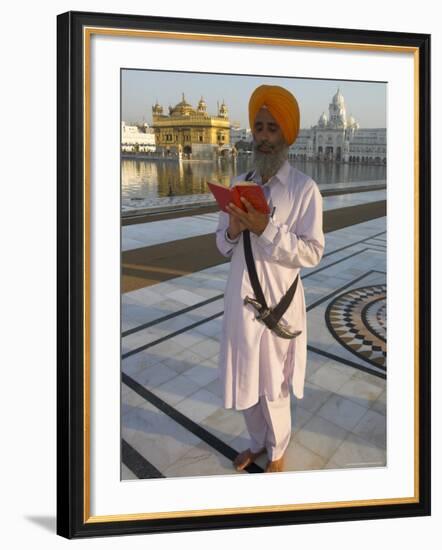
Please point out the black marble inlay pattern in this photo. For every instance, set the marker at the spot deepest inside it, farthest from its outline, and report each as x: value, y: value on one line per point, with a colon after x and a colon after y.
x: 357, y: 320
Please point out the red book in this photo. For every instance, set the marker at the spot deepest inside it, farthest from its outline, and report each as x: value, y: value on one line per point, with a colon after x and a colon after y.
x: 248, y: 189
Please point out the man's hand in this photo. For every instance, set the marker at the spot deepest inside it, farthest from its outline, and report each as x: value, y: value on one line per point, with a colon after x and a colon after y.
x: 235, y: 226
x: 253, y: 220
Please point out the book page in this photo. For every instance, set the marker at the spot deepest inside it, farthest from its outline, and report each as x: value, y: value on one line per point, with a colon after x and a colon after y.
x: 245, y: 183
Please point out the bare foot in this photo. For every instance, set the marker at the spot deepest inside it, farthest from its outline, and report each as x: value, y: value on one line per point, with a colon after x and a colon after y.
x: 275, y: 465
x: 245, y: 458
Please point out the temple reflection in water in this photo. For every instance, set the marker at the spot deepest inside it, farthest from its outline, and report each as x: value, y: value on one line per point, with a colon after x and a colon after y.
x: 161, y: 178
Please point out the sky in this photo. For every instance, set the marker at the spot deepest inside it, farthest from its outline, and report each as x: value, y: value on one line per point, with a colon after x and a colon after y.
x: 141, y: 89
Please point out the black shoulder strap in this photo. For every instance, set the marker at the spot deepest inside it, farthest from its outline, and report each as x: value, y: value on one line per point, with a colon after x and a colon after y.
x: 281, y: 308
x: 253, y: 275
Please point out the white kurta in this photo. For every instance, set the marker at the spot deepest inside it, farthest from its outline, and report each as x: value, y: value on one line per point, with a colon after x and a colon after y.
x: 253, y: 361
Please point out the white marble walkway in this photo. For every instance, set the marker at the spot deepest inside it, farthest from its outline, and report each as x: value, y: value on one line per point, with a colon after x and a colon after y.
x: 158, y: 232
x: 340, y: 423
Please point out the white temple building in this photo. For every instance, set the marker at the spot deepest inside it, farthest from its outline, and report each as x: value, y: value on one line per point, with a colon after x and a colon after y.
x: 339, y: 138
x: 137, y: 138
x: 240, y: 134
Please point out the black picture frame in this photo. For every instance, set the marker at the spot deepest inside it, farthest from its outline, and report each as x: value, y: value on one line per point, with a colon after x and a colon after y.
x: 73, y: 516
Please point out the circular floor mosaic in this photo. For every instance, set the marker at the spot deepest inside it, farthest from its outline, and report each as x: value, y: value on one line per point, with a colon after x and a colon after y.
x: 358, y: 321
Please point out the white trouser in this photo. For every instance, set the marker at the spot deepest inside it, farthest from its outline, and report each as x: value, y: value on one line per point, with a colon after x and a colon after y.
x: 269, y: 425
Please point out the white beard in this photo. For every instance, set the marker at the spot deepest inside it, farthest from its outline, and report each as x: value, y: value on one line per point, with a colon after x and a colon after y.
x: 267, y: 164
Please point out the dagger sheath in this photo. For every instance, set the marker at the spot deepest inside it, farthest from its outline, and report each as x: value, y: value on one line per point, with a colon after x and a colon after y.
x: 266, y: 316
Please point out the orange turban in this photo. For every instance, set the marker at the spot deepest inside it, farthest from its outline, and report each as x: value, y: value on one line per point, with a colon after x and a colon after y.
x: 282, y: 106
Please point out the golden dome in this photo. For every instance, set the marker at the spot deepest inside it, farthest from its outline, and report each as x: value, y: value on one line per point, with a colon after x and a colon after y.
x: 202, y: 105
x: 182, y: 108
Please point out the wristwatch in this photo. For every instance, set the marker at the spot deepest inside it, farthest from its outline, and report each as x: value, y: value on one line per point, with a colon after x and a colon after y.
x: 228, y: 239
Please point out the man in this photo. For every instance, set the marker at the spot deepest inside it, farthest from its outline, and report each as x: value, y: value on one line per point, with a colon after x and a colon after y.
x: 257, y: 366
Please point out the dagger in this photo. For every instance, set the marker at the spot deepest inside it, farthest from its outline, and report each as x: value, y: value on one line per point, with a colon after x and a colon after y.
x: 263, y: 313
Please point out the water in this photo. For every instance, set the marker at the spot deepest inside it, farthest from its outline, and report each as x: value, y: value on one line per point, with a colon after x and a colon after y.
x: 148, y: 179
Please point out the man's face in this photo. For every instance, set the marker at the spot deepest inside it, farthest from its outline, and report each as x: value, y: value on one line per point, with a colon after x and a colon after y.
x: 270, y: 149
x: 267, y: 133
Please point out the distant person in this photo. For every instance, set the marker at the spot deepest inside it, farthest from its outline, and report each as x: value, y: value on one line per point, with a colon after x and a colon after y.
x: 261, y: 360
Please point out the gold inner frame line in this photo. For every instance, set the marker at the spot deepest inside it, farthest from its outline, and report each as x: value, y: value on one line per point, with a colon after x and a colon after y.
x: 87, y: 33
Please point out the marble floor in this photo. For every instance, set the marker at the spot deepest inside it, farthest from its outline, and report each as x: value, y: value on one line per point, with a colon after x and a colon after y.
x: 159, y: 232
x: 173, y: 422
